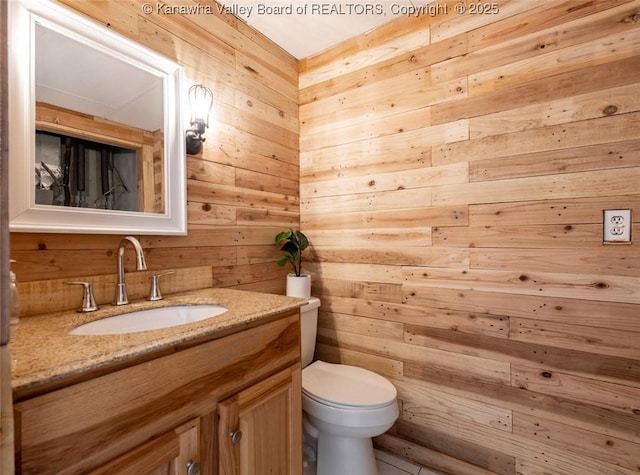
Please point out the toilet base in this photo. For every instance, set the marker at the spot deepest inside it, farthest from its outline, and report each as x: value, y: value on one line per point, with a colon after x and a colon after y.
x: 345, y: 455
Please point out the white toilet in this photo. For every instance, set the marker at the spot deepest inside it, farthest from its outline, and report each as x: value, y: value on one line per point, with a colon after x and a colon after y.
x: 344, y: 407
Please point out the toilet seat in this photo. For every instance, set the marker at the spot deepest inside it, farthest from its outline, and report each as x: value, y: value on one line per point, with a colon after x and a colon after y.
x: 343, y: 386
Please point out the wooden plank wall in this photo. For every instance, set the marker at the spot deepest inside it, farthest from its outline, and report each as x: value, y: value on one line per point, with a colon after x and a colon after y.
x: 243, y: 187
x: 454, y: 169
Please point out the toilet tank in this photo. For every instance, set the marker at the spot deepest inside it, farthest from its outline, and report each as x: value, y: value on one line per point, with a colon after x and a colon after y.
x: 308, y: 329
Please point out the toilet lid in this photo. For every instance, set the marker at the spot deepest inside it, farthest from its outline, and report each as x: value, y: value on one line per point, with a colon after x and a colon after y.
x: 344, y: 385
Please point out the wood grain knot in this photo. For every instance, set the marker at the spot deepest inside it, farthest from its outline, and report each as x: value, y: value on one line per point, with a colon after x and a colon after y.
x: 610, y: 110
x: 546, y: 374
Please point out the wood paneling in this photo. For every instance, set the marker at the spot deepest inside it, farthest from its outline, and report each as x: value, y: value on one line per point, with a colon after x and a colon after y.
x: 453, y: 193
x: 241, y: 190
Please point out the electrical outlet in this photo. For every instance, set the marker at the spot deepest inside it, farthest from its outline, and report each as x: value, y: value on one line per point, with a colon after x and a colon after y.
x: 617, y: 226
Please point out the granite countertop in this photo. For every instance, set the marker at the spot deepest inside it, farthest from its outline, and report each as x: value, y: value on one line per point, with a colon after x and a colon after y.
x: 43, y: 352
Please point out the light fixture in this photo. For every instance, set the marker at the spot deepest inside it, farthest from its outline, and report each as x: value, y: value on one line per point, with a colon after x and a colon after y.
x: 200, y: 103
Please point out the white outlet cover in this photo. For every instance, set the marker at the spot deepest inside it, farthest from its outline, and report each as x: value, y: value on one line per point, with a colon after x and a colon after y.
x: 617, y: 226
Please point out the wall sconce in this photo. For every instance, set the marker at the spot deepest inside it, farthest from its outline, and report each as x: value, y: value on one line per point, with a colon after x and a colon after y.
x: 200, y: 103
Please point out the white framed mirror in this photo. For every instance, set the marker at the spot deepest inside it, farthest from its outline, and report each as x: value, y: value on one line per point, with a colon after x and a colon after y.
x: 96, y: 137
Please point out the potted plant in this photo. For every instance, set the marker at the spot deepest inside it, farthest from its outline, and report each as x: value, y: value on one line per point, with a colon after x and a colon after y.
x: 293, y: 243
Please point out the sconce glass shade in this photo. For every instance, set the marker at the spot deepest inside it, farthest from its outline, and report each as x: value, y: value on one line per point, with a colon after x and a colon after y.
x: 200, y: 104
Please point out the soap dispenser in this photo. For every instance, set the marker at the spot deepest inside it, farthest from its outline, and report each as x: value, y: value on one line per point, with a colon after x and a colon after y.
x: 15, y: 298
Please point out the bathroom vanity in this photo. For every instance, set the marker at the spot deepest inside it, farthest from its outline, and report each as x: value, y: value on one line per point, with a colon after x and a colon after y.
x: 220, y: 396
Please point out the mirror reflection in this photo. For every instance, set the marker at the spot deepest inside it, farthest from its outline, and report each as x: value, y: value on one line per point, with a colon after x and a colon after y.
x: 84, y: 174
x: 95, y: 132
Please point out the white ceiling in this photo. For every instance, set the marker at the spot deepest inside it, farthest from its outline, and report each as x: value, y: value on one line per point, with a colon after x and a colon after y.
x: 306, y: 27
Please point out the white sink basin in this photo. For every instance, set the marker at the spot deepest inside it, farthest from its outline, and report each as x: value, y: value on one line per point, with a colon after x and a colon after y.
x: 150, y: 319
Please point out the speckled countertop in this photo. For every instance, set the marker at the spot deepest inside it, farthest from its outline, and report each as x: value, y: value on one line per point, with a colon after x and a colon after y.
x: 43, y: 352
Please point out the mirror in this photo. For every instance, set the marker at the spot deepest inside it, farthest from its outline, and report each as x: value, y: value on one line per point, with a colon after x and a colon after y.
x: 95, y: 128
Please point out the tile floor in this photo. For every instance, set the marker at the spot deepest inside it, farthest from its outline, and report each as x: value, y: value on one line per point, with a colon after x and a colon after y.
x: 391, y: 465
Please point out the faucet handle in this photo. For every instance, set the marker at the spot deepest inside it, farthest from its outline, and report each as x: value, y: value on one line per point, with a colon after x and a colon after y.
x: 154, y: 292
x: 88, y: 302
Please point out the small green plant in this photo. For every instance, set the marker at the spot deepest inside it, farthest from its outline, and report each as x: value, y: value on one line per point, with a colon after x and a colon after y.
x: 292, y: 243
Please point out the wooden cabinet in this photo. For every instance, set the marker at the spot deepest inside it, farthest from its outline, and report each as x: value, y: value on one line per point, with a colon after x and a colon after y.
x: 259, y: 431
x: 158, y: 415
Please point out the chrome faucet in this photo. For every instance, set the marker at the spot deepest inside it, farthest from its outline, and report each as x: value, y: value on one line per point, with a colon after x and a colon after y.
x: 121, y: 288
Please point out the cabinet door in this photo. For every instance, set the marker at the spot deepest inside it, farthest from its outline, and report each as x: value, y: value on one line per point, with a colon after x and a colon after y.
x: 260, y: 428
x: 170, y: 454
